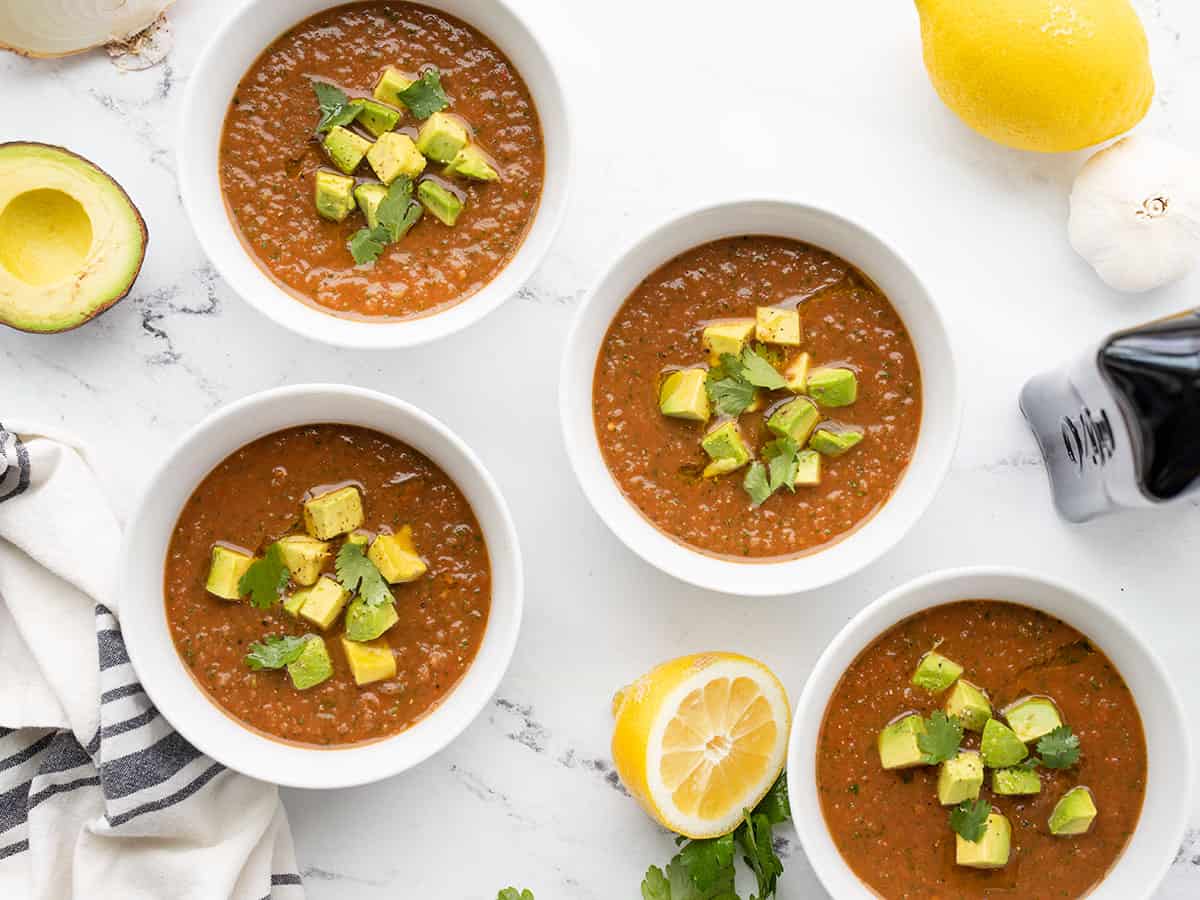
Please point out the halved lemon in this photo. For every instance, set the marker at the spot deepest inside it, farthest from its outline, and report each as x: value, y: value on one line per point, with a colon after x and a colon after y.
x: 701, y: 739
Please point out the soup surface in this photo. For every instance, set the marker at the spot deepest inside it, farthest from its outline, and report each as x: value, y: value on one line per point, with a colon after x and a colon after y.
x: 656, y: 460
x: 889, y: 825
x: 270, y: 154
x: 255, y: 497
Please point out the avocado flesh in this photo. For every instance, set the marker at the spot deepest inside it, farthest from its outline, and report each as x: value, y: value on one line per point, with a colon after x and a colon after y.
x: 71, y: 240
x: 935, y: 672
x: 1073, y: 813
x: 898, y: 744
x: 312, y: 666
x: 1015, y: 782
x: 969, y: 705
x: 365, y: 623
x: 440, y: 202
x: 960, y: 778
x: 1032, y: 718
x: 990, y: 851
x: 1000, y: 747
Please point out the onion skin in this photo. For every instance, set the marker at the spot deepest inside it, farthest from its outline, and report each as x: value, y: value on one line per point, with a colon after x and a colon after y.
x: 132, y: 25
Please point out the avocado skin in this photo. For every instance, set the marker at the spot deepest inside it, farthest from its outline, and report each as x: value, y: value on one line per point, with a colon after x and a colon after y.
x: 109, y: 304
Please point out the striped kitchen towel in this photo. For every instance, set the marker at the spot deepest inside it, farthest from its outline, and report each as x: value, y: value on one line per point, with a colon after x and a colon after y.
x: 99, y: 796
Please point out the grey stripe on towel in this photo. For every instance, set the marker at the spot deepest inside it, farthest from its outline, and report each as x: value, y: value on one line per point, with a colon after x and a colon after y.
x: 14, y: 465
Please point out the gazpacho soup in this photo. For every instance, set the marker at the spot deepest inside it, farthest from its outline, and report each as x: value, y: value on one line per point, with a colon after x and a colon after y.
x: 327, y: 585
x: 981, y: 748
x: 757, y: 397
x: 382, y: 160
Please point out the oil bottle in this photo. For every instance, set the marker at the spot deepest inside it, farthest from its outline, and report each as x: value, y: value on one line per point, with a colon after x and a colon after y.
x: 1120, y: 427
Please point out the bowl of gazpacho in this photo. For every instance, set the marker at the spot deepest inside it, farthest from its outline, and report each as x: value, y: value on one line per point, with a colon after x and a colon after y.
x: 321, y: 586
x: 374, y: 174
x: 760, y: 397
x: 989, y: 732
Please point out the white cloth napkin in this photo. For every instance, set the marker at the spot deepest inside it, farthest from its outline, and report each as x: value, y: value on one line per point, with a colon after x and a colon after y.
x: 99, y: 796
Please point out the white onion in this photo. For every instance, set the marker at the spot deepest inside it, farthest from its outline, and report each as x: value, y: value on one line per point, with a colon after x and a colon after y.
x: 63, y: 27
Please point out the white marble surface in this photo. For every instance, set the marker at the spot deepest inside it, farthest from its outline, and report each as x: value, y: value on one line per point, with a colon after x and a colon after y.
x: 817, y: 101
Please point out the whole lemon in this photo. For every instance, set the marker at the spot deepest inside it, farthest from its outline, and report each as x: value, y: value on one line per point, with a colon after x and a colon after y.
x: 1045, y: 75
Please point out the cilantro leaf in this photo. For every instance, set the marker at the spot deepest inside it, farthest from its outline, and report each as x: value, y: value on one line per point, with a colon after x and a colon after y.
x: 265, y: 579
x: 755, y: 837
x: 757, y: 483
x: 727, y: 386
x: 357, y: 573
x: 783, y: 463
x: 425, y: 96
x: 775, y: 806
x: 367, y: 243
x: 655, y: 885
x: 969, y: 819
x: 336, y: 108
x: 759, y: 372
x: 392, y: 207
x: 941, y: 739
x: 275, y: 652
x: 511, y: 893
x: 1059, y: 749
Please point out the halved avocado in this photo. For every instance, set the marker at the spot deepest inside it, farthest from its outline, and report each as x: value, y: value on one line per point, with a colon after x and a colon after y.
x: 71, y: 240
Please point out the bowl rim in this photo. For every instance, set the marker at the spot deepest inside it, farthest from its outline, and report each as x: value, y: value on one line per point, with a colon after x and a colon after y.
x: 262, y: 292
x: 139, y: 632
x: 751, y: 577
x: 893, y: 607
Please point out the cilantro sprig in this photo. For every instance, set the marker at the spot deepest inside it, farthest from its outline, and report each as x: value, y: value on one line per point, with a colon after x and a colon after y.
x: 358, y: 574
x: 397, y: 213
x: 425, y: 96
x: 1059, y: 749
x: 265, y: 579
x: 731, y: 383
x: 275, y: 652
x: 941, y: 740
x: 704, y: 869
x: 511, y: 893
x: 336, y: 107
x: 969, y: 819
x: 780, y: 465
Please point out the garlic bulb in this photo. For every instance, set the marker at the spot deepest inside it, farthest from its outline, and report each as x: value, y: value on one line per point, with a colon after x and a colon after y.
x: 1135, y: 213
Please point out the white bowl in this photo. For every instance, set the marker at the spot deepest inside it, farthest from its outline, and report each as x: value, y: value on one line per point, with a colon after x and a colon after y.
x: 231, y: 51
x: 939, y: 423
x: 143, y: 609
x: 1161, y: 827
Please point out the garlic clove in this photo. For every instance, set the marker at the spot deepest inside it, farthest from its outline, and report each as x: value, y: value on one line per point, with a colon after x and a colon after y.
x: 1135, y: 213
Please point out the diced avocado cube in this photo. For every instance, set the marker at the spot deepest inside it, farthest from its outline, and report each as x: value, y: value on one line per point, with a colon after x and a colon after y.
x: 471, y: 162
x: 442, y: 136
x: 1000, y: 747
x: 365, y: 623
x: 808, y: 468
x: 796, y: 373
x: 333, y: 195
x: 682, y: 395
x: 835, y: 443
x: 960, y: 778
x: 312, y: 666
x: 345, y: 148
x: 1032, y: 717
x: 368, y: 196
x: 333, y: 513
x: 727, y: 336
x: 777, y: 326
x: 369, y: 662
x: 935, y: 673
x: 795, y: 419
x: 726, y: 442
x: 225, y: 571
x: 719, y: 467
x: 991, y: 850
x: 898, y: 748
x: 325, y: 600
x: 833, y: 387
x: 293, y: 601
x: 377, y: 118
x: 362, y: 538
x: 756, y: 402
x: 396, y: 556
x: 1015, y: 781
x: 304, y: 556
x: 969, y: 705
x: 389, y: 87
x: 393, y: 155
x: 1073, y: 813
x: 442, y: 203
